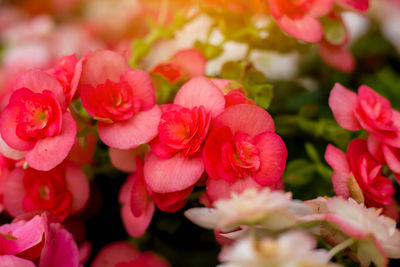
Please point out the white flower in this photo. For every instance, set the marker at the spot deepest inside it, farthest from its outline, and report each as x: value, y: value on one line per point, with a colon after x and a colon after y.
x: 291, y: 249
x: 272, y: 210
x: 375, y: 236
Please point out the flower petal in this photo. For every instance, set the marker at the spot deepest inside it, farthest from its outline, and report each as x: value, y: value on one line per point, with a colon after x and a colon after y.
x: 140, y: 129
x: 12, y: 261
x: 14, y: 192
x: 137, y: 226
x: 343, y: 102
x: 221, y: 189
x: 60, y: 248
x: 51, y: 151
x: 200, y: 91
x: 8, y: 130
x: 142, y: 87
x: 173, y: 174
x: 273, y: 156
x: 103, y: 65
x: 38, y: 81
x: 247, y: 118
x: 336, y: 158
x: 78, y: 185
x: 114, y: 253
x: 307, y: 28
x: 24, y: 235
x: 124, y: 160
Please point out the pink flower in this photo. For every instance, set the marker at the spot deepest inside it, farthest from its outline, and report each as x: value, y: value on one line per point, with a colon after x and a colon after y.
x: 67, y: 71
x: 337, y: 56
x: 385, y: 154
x: 175, y: 163
x: 233, y: 93
x: 61, y: 191
x: 37, y: 122
x: 264, y: 209
x: 38, y: 240
x: 185, y: 64
x: 124, y: 160
x: 368, y: 111
x: 300, y: 18
x: 370, y: 236
x: 137, y: 205
x: 82, y: 153
x: 361, y: 5
x: 284, y: 251
x: 123, y: 254
x: 23, y: 237
x: 358, y: 175
x: 120, y: 98
x: 243, y: 151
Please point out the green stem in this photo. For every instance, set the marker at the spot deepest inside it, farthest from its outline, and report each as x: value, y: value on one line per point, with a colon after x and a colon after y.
x: 341, y: 246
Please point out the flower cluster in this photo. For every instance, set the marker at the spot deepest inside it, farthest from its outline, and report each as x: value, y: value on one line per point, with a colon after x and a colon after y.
x: 358, y: 174
x: 107, y: 123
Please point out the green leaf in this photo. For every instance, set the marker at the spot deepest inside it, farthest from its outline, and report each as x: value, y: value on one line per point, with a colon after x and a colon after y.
x: 262, y: 94
x: 298, y: 172
x: 210, y: 51
x: 231, y: 70
x: 312, y: 152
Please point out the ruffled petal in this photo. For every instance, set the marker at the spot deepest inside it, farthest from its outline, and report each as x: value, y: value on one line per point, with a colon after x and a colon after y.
x: 139, y: 129
x: 51, y: 151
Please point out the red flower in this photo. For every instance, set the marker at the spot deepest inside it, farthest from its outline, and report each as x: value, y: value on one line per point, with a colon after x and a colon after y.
x: 36, y: 121
x: 242, y: 151
x: 368, y: 111
x: 123, y: 254
x: 137, y: 205
x: 299, y: 18
x: 185, y: 64
x: 361, y: 5
x: 120, y: 98
x: 67, y: 71
x: 175, y: 164
x: 61, y: 191
x: 385, y: 154
x: 38, y: 239
x: 358, y: 175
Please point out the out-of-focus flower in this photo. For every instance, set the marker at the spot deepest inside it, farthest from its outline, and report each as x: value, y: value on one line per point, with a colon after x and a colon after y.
x: 37, y: 240
x: 61, y: 191
x: 176, y: 151
x: 137, y: 205
x: 358, y: 175
x: 120, y: 98
x: 300, y: 18
x: 291, y: 249
x: 361, y: 5
x: 183, y: 65
x: 123, y: 254
x: 250, y: 6
x: 37, y: 122
x: 368, y: 111
x: 266, y: 209
x: 370, y: 236
x: 232, y: 92
x: 337, y: 56
x: 113, y: 22
x: 243, y: 148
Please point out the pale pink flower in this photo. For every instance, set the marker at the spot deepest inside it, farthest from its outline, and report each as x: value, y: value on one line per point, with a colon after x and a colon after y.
x: 291, y: 249
x: 372, y: 237
x: 272, y: 210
